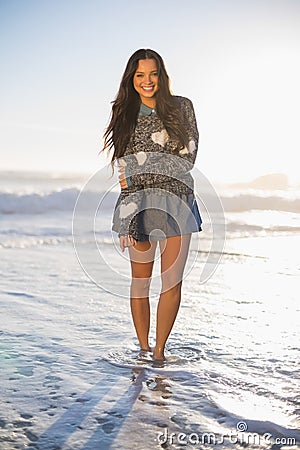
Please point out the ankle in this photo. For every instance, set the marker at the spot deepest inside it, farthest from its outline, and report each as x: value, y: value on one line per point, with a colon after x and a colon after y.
x: 146, y: 348
x: 158, y: 353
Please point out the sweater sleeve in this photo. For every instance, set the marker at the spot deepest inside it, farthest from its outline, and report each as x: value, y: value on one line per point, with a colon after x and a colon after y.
x: 129, y: 205
x: 141, y: 166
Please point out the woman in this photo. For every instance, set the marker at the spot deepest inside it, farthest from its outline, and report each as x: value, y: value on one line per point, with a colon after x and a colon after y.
x: 155, y: 138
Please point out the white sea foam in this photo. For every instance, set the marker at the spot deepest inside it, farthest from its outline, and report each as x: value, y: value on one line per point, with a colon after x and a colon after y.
x: 262, y: 201
x: 64, y: 200
x: 58, y: 200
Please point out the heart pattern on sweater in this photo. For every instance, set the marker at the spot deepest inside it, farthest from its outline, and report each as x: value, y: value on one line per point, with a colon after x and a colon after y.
x: 141, y: 158
x: 126, y: 210
x: 192, y: 146
x: 191, y: 149
x: 160, y: 137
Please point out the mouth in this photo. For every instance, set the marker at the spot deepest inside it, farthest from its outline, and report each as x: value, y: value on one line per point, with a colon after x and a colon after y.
x: 148, y: 88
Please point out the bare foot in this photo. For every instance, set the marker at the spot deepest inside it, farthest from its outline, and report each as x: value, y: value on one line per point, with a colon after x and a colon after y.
x: 145, y: 354
x: 148, y: 349
x: 158, y: 355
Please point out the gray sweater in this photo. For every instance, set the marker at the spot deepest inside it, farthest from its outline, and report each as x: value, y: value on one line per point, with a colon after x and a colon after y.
x: 153, y: 163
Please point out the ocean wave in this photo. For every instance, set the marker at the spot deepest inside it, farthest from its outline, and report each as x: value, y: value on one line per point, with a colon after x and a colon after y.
x: 62, y: 200
x: 65, y: 200
x: 246, y: 229
x: 248, y: 202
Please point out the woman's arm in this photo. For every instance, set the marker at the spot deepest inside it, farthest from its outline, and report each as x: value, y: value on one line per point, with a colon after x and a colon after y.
x: 138, y: 169
x: 125, y: 217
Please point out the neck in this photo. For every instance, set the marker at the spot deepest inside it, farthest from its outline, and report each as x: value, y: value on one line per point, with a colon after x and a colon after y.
x: 151, y: 102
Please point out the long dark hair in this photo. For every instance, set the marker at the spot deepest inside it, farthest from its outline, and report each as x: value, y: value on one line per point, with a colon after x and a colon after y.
x: 126, y: 107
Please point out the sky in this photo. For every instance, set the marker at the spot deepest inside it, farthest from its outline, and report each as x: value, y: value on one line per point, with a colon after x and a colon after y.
x: 237, y: 60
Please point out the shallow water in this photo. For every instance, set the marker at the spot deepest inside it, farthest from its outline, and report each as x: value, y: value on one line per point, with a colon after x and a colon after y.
x: 72, y: 376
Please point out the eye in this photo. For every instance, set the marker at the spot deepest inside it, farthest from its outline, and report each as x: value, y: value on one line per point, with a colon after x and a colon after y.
x: 155, y: 74
x: 139, y: 75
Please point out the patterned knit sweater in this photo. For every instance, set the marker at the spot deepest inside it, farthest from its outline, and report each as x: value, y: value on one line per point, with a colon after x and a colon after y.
x: 153, y: 161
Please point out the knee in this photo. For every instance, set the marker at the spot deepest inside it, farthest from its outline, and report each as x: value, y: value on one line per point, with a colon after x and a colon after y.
x: 140, y: 286
x: 171, y: 281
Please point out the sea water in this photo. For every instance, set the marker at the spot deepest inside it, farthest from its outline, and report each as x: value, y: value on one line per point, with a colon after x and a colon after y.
x: 72, y: 376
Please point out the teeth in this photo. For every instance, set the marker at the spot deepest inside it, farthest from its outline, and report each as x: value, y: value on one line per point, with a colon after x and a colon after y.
x: 148, y: 88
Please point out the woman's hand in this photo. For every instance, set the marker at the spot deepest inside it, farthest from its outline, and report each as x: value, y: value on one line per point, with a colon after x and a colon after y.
x: 126, y: 241
x: 122, y: 178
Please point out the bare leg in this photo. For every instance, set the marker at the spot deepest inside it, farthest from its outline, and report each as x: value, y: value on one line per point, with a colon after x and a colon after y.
x: 141, y: 259
x: 173, y: 259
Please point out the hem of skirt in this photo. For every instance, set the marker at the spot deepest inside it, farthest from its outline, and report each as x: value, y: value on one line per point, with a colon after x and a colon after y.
x: 146, y: 237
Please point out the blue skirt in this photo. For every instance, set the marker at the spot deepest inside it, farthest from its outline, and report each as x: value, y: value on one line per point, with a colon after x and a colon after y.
x: 163, y: 216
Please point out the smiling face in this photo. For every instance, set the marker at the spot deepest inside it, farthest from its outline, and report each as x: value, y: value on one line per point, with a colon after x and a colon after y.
x: 145, y: 81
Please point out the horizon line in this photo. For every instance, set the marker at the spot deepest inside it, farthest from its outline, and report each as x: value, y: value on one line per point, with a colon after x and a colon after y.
x: 85, y: 172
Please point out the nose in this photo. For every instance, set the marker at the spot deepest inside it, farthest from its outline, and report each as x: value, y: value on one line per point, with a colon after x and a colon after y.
x: 148, y: 79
